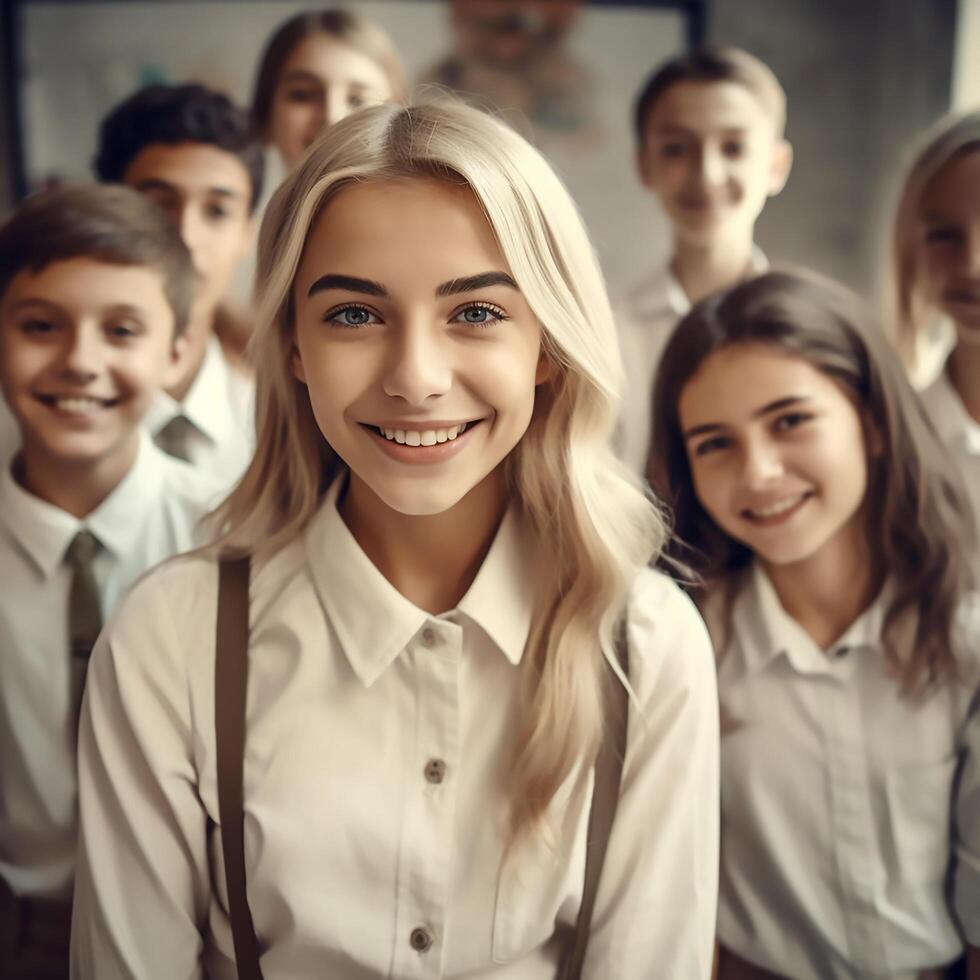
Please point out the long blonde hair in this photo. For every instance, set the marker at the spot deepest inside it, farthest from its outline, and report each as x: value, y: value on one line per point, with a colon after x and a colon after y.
x: 596, y: 525
x: 908, y: 314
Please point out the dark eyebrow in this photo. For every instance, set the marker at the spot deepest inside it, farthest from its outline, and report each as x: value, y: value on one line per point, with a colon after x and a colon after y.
x: 156, y: 184
x: 671, y: 129
x: 469, y: 283
x: 34, y: 301
x: 775, y: 406
x: 300, y: 75
x: 350, y: 283
x: 937, y: 217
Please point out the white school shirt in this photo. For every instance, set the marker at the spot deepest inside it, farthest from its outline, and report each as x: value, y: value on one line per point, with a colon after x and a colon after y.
x: 150, y: 515
x: 645, y: 319
x: 836, y: 798
x: 220, y: 405
x: 377, y: 757
x: 967, y: 885
x: 960, y: 433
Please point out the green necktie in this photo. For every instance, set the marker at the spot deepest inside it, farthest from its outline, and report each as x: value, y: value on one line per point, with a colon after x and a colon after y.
x: 174, y: 437
x: 84, y: 603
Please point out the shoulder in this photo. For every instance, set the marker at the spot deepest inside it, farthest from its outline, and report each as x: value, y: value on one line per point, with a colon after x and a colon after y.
x: 966, y: 626
x: 645, y: 300
x: 668, y: 642
x: 178, y: 598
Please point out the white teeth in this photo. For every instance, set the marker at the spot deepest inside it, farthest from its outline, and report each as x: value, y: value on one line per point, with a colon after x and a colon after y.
x: 774, y: 509
x: 77, y: 404
x: 423, y: 437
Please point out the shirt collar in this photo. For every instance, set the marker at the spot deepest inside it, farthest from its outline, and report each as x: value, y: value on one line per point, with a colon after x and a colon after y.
x: 663, y: 293
x: 767, y: 631
x: 953, y: 422
x: 208, y: 402
x: 45, y: 531
x: 374, y: 622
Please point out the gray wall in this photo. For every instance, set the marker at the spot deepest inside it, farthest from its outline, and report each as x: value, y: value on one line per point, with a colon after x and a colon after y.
x: 862, y: 78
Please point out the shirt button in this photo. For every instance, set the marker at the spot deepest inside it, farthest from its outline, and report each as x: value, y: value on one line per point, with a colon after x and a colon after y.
x: 429, y: 636
x: 435, y: 770
x: 421, y: 940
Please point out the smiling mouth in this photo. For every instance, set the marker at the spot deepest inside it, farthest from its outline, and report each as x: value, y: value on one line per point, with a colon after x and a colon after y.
x: 77, y: 404
x: 423, y: 437
x: 778, y: 510
x: 962, y: 296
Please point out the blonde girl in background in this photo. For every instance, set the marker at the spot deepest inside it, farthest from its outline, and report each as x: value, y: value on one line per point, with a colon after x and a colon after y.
x: 443, y: 550
x: 828, y: 533
x: 936, y: 285
x: 319, y: 67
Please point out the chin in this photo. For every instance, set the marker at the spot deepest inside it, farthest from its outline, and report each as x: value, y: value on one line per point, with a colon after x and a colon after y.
x: 419, y: 500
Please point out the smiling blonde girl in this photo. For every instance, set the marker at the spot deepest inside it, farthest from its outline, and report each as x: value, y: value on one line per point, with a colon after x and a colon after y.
x: 830, y: 535
x: 936, y: 285
x: 442, y: 550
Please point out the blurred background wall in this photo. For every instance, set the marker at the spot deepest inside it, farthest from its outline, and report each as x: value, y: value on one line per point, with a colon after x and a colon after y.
x: 862, y: 78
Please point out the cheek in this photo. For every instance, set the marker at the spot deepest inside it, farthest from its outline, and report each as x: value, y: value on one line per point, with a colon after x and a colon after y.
x: 713, y: 487
x: 935, y: 265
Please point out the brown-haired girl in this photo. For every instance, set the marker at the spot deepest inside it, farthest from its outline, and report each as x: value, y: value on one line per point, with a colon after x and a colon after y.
x: 828, y: 533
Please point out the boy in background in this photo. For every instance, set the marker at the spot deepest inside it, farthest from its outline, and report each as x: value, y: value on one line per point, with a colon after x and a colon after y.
x: 709, y: 128
x: 95, y: 289
x: 195, y: 154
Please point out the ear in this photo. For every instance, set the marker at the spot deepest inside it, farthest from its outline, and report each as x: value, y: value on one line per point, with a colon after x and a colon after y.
x: 782, y: 164
x: 296, y: 359
x: 641, y: 160
x: 545, y: 369
x: 175, y: 361
x: 250, y: 235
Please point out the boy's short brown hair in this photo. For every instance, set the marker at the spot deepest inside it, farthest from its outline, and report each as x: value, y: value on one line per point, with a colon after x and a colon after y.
x: 115, y: 225
x: 710, y: 64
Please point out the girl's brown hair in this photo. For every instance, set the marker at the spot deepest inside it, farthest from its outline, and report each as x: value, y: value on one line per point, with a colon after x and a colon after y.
x: 360, y: 33
x: 919, y: 526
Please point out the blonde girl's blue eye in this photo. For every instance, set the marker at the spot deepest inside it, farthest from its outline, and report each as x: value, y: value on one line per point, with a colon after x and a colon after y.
x: 480, y: 315
x: 351, y: 317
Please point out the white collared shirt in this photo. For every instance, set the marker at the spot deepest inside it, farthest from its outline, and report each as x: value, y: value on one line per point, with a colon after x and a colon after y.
x: 836, y: 797
x: 9, y: 433
x: 150, y: 516
x: 349, y: 845
x: 959, y: 432
x: 645, y: 319
x: 220, y: 405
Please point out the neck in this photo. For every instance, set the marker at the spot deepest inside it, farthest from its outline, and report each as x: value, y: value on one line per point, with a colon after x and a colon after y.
x: 196, y: 338
x: 704, y: 269
x: 828, y: 591
x: 76, y: 488
x: 432, y: 560
x: 964, y: 375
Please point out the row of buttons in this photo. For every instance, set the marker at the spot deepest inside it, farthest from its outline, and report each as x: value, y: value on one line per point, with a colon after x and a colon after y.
x: 421, y: 939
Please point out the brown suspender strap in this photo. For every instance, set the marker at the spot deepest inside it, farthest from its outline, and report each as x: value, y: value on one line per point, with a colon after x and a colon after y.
x: 605, y: 797
x: 230, y: 690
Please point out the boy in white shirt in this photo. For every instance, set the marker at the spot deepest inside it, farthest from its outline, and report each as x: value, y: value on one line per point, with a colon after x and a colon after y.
x: 95, y: 288
x: 195, y: 153
x: 709, y: 128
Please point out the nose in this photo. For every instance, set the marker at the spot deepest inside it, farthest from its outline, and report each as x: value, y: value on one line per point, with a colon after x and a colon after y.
x: 972, y: 255
x: 762, y: 464
x: 335, y: 106
x: 194, y: 234
x: 82, y: 354
x: 712, y: 167
x: 418, y: 367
